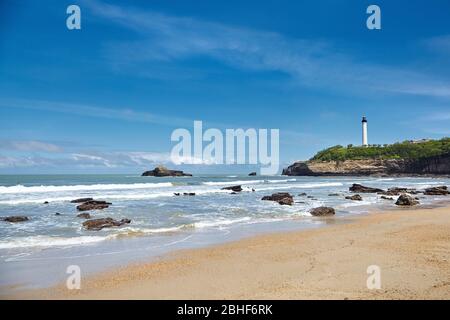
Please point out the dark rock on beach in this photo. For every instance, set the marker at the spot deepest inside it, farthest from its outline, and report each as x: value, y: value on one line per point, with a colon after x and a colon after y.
x: 84, y: 215
x: 398, y: 191
x: 333, y: 195
x: 322, y: 212
x: 355, y: 197
x: 437, y: 191
x: 286, y: 202
x: 252, y: 174
x: 405, y: 200
x: 99, y: 224
x: 386, y: 198
x: 15, y: 219
x: 363, y: 189
x: 277, y: 196
x: 46, y: 202
x: 189, y: 193
x: 233, y: 188
x: 282, y: 198
x: 390, y: 193
x: 81, y: 200
x: 93, y: 205
x: 164, y: 172
x: 302, y: 194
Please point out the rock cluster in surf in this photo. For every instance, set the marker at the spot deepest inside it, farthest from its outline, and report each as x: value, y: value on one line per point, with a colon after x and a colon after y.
x: 99, y: 224
x: 283, y: 198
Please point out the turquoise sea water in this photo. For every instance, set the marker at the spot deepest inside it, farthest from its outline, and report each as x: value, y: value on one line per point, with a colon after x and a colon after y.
x: 37, y: 252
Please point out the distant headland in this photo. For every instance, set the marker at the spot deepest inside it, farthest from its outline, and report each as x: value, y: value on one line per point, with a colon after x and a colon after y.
x: 421, y: 157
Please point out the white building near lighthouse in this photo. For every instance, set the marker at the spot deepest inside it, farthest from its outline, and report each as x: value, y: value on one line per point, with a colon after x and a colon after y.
x: 365, y: 142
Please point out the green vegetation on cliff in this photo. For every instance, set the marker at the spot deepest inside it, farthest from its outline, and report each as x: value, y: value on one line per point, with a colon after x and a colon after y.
x: 401, y: 150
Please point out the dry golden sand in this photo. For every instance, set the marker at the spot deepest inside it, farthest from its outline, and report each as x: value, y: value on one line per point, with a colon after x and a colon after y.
x: 412, y: 248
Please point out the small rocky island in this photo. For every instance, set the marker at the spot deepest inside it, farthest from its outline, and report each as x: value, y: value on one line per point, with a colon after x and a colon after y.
x: 162, y: 171
x: 423, y: 157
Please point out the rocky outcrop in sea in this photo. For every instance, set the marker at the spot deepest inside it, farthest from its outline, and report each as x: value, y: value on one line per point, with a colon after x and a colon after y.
x: 283, y: 198
x: 164, y: 172
x: 99, y: 224
x: 15, y: 219
x: 93, y: 205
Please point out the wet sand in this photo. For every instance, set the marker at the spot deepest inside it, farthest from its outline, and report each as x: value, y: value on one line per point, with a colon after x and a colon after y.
x: 410, y: 246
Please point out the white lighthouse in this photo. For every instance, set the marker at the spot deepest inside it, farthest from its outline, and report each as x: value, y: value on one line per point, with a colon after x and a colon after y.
x: 364, y: 132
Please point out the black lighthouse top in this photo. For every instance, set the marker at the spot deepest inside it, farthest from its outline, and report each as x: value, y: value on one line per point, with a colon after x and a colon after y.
x: 364, y: 119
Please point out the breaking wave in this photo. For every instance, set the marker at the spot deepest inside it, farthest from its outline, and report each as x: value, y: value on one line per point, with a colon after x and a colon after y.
x: 23, y: 189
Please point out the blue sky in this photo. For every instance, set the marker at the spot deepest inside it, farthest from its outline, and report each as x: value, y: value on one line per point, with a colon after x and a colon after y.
x: 106, y: 98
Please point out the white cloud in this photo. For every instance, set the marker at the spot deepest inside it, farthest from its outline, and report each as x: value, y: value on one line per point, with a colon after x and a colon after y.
x: 124, y: 114
x: 29, y: 145
x: 311, y: 63
x: 121, y: 159
x: 97, y: 159
x: 6, y: 162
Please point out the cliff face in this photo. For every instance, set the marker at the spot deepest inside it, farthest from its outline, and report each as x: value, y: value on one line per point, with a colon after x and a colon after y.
x: 431, y: 165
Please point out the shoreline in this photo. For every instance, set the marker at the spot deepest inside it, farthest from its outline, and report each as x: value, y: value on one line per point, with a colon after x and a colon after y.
x: 38, y: 252
x: 411, y: 247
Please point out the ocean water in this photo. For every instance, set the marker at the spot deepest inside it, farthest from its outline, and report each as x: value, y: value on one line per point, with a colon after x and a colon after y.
x: 37, y: 252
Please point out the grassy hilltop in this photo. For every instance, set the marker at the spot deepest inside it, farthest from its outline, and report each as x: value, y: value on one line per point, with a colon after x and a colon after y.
x: 400, y: 150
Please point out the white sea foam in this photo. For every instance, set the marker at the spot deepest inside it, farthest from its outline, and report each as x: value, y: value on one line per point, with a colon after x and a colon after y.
x: 244, y: 182
x: 319, y: 185
x: 219, y: 222
x: 425, y: 185
x: 136, y: 231
x: 34, y: 189
x: 47, y: 241
x: 281, y: 180
x: 365, y: 202
x: 225, y: 183
x: 302, y: 186
x: 35, y: 200
x: 105, y: 196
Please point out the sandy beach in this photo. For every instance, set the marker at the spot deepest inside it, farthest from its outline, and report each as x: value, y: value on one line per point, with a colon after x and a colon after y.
x: 224, y: 150
x: 411, y: 247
